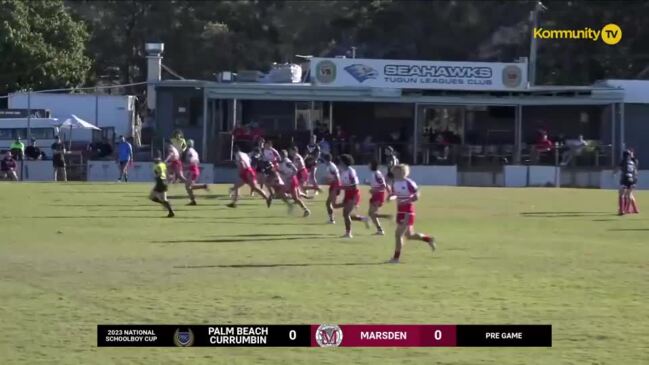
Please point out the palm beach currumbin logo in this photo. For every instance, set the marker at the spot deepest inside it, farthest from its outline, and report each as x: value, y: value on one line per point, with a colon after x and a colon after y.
x: 183, y: 338
x: 361, y: 72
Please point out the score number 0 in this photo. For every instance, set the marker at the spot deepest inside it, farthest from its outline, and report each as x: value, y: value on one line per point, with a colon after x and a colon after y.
x: 437, y: 335
x: 292, y: 335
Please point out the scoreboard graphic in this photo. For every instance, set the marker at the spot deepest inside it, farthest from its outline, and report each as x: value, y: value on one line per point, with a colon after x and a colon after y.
x: 325, y: 335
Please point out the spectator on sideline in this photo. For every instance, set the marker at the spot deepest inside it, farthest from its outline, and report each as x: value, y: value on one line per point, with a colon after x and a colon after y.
x: 18, y: 149
x: 124, y: 158
x: 32, y: 152
x: 8, y: 167
x: 58, y: 159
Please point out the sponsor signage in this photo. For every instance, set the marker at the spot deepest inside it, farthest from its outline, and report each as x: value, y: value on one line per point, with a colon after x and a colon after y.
x: 401, y: 74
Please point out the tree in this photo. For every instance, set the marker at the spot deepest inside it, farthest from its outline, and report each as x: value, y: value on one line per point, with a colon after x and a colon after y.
x: 41, y: 46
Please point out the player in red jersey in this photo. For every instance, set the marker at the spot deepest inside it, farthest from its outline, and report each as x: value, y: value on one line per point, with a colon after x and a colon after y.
x: 406, y: 193
x: 289, y: 173
x: 378, y: 189
x: 194, y: 172
x: 349, y: 184
x: 248, y: 177
x: 333, y: 179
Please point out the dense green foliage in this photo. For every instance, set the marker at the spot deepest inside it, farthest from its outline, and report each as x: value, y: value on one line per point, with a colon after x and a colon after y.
x: 205, y: 37
x: 41, y: 46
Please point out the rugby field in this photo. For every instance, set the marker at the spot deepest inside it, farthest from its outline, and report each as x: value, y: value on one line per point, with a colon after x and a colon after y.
x: 77, y: 254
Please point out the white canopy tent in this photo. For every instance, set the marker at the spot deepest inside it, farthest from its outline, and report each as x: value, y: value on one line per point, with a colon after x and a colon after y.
x: 74, y: 122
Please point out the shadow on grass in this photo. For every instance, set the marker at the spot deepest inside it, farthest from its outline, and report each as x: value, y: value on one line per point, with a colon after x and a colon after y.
x: 258, y: 266
x: 201, y: 196
x: 162, y: 215
x: 250, y: 239
x: 565, y: 214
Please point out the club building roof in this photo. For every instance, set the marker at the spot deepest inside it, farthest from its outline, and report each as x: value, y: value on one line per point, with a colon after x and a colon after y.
x: 538, y: 95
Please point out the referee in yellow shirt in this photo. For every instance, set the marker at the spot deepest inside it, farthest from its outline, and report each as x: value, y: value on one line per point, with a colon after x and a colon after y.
x: 159, y: 191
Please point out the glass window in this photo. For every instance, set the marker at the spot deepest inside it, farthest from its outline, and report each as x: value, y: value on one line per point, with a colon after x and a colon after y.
x: 43, y: 133
x: 21, y: 132
x: 6, y: 133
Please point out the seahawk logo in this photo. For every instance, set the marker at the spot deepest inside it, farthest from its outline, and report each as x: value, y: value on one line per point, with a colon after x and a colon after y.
x: 361, y: 72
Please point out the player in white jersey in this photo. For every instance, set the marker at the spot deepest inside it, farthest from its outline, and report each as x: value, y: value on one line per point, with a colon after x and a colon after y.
x: 270, y: 154
x: 302, y: 173
x: 349, y: 184
x: 193, y: 172
x: 288, y: 172
x: 247, y: 176
x: 174, y: 164
x: 378, y: 189
x: 406, y: 193
x: 333, y: 180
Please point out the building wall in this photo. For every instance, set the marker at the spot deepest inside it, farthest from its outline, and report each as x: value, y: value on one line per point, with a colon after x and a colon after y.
x: 180, y: 108
x: 566, y: 120
x: 636, y: 130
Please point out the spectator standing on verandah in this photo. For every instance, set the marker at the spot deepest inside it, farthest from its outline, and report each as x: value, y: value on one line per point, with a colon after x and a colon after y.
x: 58, y: 159
x: 575, y: 147
x: 124, y: 158
x: 17, y: 149
x: 543, y: 145
x: 32, y: 152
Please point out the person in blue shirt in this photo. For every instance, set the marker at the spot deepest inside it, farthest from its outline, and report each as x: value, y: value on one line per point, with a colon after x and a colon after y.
x: 124, y: 158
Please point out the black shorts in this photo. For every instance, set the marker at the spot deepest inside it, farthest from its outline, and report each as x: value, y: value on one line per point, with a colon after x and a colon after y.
x: 123, y: 164
x: 160, y: 186
x: 58, y: 161
x: 628, y: 183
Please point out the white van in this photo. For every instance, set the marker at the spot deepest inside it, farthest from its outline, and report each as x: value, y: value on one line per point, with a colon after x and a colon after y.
x: 42, y: 129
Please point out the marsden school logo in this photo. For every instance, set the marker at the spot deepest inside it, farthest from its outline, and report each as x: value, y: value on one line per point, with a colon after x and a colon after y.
x: 361, y: 72
x: 329, y: 335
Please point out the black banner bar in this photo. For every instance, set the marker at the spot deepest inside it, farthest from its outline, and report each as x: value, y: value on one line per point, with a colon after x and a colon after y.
x: 504, y: 335
x: 133, y: 335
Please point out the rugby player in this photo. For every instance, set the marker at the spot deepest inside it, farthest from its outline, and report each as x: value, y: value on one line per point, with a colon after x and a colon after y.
x: 378, y: 188
x: 302, y: 172
x: 247, y: 176
x: 175, y: 164
x: 406, y: 193
x: 289, y: 173
x: 391, y: 162
x: 349, y: 184
x: 193, y: 172
x: 333, y: 179
x: 159, y: 192
x: 629, y: 168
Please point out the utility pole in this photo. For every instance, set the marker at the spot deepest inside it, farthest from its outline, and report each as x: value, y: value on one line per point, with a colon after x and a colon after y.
x: 534, y: 18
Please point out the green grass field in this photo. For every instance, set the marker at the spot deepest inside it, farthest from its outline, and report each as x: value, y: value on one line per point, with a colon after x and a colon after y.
x: 75, y: 255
